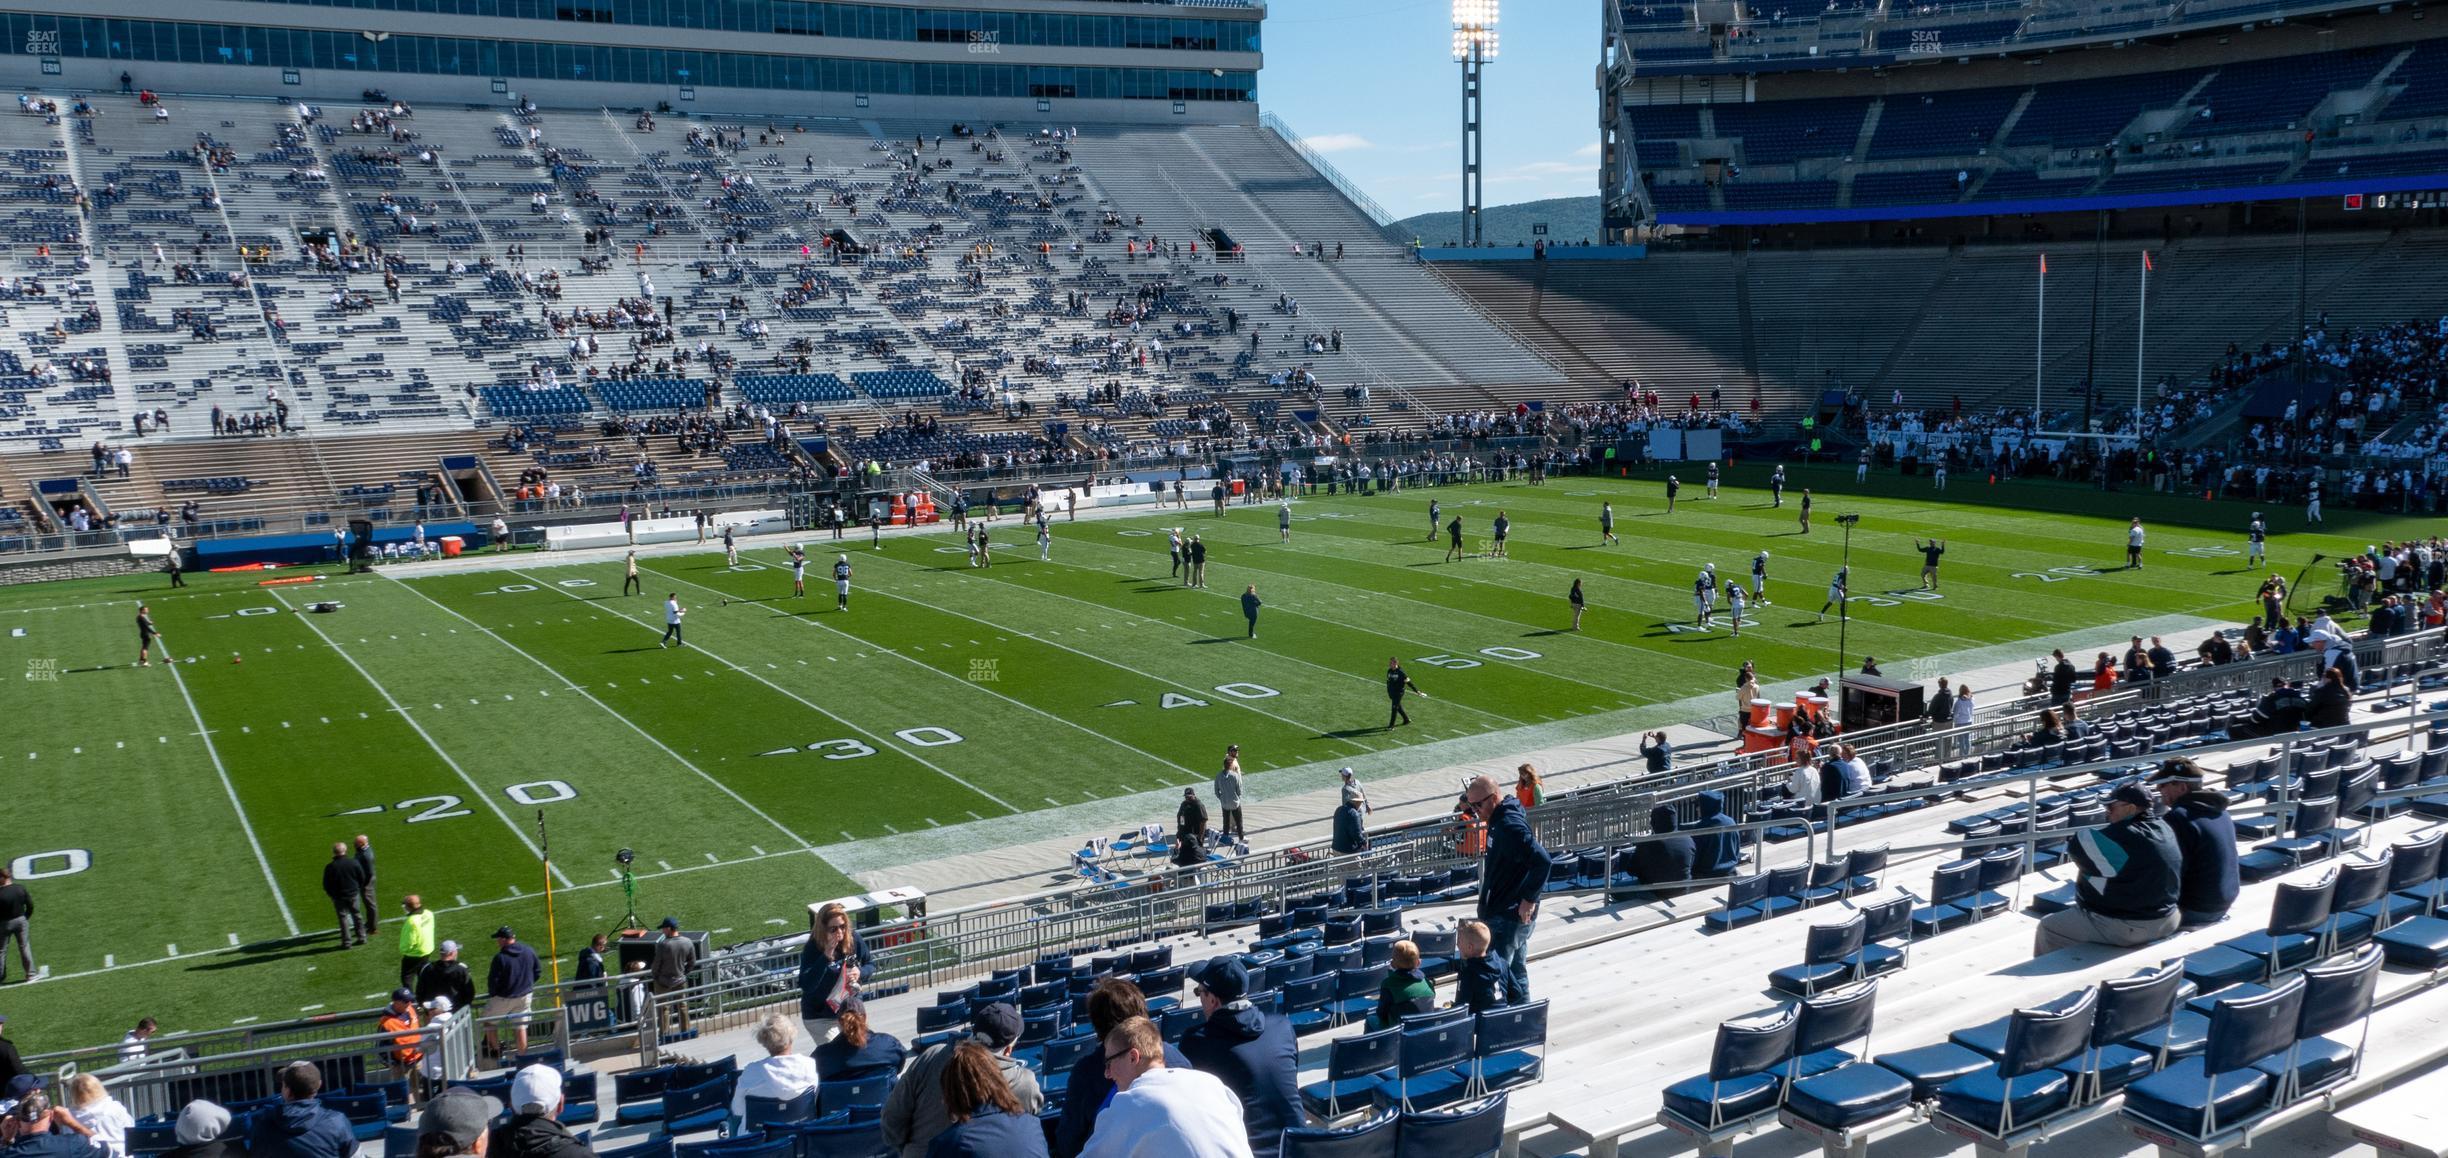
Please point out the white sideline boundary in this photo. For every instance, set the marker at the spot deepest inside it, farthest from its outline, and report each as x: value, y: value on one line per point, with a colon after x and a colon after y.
x: 245, y: 825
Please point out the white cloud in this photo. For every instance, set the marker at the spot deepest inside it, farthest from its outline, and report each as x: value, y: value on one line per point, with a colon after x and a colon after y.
x: 1338, y: 142
x: 1588, y: 150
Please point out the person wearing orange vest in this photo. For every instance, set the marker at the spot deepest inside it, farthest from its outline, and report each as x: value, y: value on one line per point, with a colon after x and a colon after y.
x: 401, y: 1019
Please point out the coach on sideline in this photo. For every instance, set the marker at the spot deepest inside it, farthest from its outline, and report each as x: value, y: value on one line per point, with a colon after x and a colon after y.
x: 1509, y: 885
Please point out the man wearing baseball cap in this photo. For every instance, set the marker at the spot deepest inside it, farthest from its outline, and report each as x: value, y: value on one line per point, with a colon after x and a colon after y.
x: 457, y: 1122
x: 510, y: 987
x: 2128, y: 878
x: 2205, y: 837
x: 1254, y: 1055
x: 41, y: 1132
x: 401, y: 1021
x: 914, y: 1113
x: 675, y: 957
x: 534, y: 1129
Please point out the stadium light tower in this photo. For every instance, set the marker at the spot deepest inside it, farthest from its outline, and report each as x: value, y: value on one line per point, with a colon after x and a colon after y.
x: 1474, y: 45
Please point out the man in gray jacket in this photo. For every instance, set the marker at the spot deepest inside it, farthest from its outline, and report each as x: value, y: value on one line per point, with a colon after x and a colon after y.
x: 1228, y: 793
x: 914, y: 1112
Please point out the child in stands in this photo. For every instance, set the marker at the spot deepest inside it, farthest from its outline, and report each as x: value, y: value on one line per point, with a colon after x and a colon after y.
x: 1478, y: 978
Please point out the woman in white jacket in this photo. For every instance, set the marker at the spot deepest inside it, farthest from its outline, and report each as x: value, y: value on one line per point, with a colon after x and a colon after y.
x: 93, y: 1107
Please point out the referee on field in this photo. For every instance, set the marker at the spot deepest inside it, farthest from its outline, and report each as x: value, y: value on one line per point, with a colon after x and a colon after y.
x: 1396, y: 684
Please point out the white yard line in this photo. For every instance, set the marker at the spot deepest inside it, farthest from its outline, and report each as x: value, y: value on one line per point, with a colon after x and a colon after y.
x: 430, y: 742
x: 810, y: 705
x: 684, y: 761
x: 244, y: 825
x: 971, y: 684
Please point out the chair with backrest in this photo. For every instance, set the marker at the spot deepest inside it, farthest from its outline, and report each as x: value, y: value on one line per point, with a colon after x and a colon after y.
x: 1744, y: 903
x: 2016, y: 1096
x: 1827, y: 882
x: 2001, y: 870
x: 152, y: 1136
x: 1951, y: 884
x: 1886, y: 936
x: 2315, y: 820
x: 2298, y: 915
x: 1431, y: 1067
x: 2129, y: 1032
x: 368, y: 1114
x: 1436, y: 947
x: 1785, y: 887
x: 2418, y: 940
x: 2362, y: 884
x: 1847, y: 1095
x: 1865, y: 869
x: 2219, y: 1091
x: 1305, y: 1001
x: 579, y: 1104
x: 1745, y: 1081
x: 703, y: 1106
x: 1355, y: 993
x: 1830, y: 957
x: 763, y: 1111
x: 836, y: 1096
x: 1374, y: 1138
x: 637, y: 1096
x: 1509, y: 1047
x: 848, y: 1137
x: 1353, y: 1066
x: 2337, y: 995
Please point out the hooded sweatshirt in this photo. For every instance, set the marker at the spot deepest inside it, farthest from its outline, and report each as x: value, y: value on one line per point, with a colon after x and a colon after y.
x: 2206, y: 836
x: 1661, y: 863
x: 1716, y: 847
x: 1255, y: 1057
x: 200, y: 1129
x: 1404, y: 992
x: 535, y: 1136
x: 301, y: 1130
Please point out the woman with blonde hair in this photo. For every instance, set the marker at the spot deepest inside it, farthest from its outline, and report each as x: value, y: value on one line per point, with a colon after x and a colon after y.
x: 1529, y: 787
x: 829, y: 970
x: 95, y: 1109
x: 986, y: 1117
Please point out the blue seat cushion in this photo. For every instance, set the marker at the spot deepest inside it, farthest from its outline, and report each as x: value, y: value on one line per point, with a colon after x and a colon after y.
x: 2051, y: 900
x: 1734, y: 1099
x: 2182, y: 1097
x: 2293, y: 949
x: 1442, y: 1088
x: 1724, y: 919
x: 2119, y: 1066
x: 1347, y: 1093
x: 2220, y: 966
x: 1881, y: 959
x: 2353, y: 929
x: 1805, y: 980
x: 1848, y: 1096
x: 1511, y: 1068
x: 1978, y: 1098
x: 2208, y: 1001
x: 2421, y: 943
x: 1936, y: 919
x: 2400, y: 907
x: 635, y: 1112
x: 1932, y: 1066
x: 1779, y: 906
x: 1988, y: 1038
x: 2186, y: 1033
x: 2319, y: 1063
x: 1814, y: 1064
x: 2262, y: 864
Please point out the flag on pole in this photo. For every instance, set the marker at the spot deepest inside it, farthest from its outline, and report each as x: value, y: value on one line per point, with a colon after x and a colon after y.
x: 2146, y: 262
x: 2044, y: 265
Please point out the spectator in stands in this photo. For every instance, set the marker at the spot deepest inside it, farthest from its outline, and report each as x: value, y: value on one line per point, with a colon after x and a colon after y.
x: 301, y: 1126
x: 509, y: 988
x: 2332, y: 700
x: 1405, y: 990
x: 2280, y: 712
x: 2205, y: 836
x: 1716, y: 844
x: 1254, y: 1055
x: 858, y: 1051
x: 1479, y: 976
x: 456, y: 1123
x: 200, y: 1130
x: 534, y: 1129
x: 1114, y: 1000
x: 447, y: 976
x: 1511, y: 881
x: 2061, y: 679
x: 2049, y: 734
x: 1160, y: 1110
x: 2103, y: 674
x: 40, y: 1131
x: 1657, y: 752
x: 400, y: 1019
x: 2130, y: 874
x: 1189, y: 829
x: 830, y: 965
x: 914, y: 1113
x: 2162, y: 660
x: 1350, y: 831
x: 1663, y: 864
x: 986, y: 1117
x: 95, y: 1109
x: 1529, y: 787
x: 782, y: 1074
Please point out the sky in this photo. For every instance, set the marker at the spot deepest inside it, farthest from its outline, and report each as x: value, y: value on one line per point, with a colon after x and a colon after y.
x: 1373, y: 86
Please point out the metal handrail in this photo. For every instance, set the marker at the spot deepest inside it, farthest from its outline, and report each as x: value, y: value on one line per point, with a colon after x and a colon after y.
x: 1350, y: 189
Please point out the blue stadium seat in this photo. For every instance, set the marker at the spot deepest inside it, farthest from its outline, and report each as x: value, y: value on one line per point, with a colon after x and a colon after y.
x: 1354, y: 1067
x: 2015, y: 1096
x: 2219, y: 1091
x: 1745, y: 1081
x: 1830, y: 957
x: 1373, y: 1138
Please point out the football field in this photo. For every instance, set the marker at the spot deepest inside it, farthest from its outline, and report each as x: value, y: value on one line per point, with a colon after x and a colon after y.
x: 173, y: 822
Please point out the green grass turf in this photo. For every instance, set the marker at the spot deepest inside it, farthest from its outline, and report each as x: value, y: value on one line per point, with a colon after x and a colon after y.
x: 444, y: 712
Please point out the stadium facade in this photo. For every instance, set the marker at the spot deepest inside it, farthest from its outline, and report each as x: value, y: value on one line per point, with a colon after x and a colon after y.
x: 1076, y: 60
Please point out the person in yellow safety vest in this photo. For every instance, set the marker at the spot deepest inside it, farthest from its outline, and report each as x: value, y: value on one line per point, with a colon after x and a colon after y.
x: 416, y: 941
x: 401, y: 1018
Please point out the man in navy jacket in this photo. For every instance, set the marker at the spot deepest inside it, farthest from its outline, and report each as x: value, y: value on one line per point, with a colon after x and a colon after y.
x: 1510, y: 882
x: 1253, y: 1054
x: 301, y: 1126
